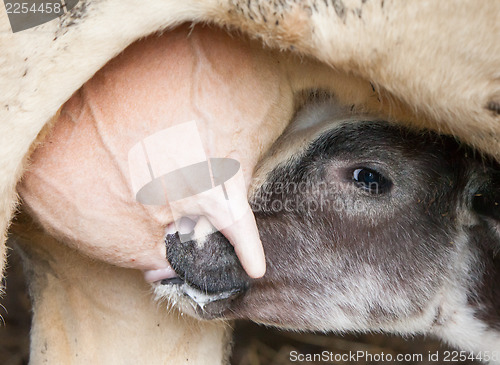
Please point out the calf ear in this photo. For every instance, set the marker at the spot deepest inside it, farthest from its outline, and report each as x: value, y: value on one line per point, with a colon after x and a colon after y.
x: 486, y: 199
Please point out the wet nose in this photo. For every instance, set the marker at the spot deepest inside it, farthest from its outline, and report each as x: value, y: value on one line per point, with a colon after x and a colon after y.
x: 208, y: 264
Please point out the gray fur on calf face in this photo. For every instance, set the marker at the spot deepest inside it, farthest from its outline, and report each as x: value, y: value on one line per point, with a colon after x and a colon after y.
x: 375, y: 257
x: 369, y: 226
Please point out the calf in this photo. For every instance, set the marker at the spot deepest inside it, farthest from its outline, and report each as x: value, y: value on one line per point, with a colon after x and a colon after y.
x: 367, y: 226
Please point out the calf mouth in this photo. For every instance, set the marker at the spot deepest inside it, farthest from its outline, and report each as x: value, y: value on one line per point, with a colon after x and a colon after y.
x: 194, y: 302
x: 209, y: 276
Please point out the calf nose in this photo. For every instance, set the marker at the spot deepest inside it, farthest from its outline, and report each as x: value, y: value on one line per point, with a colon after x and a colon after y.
x: 210, y: 266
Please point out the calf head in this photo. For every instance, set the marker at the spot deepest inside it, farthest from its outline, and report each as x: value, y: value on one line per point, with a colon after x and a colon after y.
x: 366, y: 226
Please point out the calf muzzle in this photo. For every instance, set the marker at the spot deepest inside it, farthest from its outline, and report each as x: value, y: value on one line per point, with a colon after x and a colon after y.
x: 210, y: 266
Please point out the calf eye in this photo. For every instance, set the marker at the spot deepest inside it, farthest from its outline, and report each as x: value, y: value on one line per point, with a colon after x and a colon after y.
x: 371, y: 180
